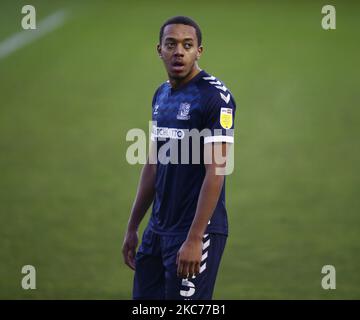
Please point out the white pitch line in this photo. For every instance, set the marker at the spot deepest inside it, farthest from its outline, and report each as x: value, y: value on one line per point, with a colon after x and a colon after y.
x: 21, y: 39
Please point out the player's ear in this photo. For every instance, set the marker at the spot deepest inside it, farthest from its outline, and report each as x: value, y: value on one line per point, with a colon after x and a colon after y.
x: 199, y: 52
x: 158, y: 48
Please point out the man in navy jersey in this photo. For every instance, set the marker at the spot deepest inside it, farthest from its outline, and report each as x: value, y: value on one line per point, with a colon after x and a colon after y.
x: 184, y: 240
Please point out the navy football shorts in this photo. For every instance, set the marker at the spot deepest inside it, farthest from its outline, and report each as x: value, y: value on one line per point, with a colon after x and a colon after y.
x: 155, y: 268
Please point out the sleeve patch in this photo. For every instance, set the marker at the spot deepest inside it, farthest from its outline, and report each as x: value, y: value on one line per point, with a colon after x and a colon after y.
x: 226, y: 118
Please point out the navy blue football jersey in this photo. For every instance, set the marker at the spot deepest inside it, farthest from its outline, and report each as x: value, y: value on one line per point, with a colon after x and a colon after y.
x: 203, y: 104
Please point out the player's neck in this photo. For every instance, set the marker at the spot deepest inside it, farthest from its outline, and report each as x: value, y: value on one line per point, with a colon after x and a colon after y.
x: 177, y: 83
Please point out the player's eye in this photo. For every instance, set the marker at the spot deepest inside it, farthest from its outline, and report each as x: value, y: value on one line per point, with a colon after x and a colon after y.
x: 170, y: 45
x: 187, y: 45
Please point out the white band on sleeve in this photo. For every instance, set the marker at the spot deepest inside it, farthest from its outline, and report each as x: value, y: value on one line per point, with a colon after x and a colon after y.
x: 228, y: 139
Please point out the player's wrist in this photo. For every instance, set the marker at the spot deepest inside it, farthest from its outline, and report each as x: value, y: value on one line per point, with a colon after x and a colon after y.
x: 132, y: 227
x: 194, y: 237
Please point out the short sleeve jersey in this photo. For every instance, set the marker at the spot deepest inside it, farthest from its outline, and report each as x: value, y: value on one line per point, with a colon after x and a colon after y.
x: 204, y: 104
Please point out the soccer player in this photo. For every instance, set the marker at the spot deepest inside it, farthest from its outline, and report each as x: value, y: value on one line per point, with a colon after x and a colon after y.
x: 184, y: 240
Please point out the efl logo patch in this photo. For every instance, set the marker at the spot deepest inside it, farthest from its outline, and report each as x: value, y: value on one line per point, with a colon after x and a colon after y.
x: 226, y: 119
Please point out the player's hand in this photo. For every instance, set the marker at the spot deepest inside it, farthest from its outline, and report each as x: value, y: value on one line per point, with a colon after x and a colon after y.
x: 129, y: 248
x: 188, y: 258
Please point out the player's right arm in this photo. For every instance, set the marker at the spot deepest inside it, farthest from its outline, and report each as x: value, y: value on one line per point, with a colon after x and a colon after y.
x: 144, y: 198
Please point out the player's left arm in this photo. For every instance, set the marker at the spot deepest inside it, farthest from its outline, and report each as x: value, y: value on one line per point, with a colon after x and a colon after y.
x: 189, y: 255
x: 219, y: 112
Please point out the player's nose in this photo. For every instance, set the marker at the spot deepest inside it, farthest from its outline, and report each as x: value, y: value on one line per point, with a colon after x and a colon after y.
x: 179, y: 50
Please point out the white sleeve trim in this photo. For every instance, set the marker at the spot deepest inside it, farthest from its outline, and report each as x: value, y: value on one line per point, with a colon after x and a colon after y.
x: 228, y: 139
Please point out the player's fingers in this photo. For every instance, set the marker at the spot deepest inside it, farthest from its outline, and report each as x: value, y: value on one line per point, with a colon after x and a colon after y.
x: 191, y: 269
x: 185, y: 270
x: 179, y: 267
x: 132, y: 259
x: 129, y: 260
x: 124, y: 252
x: 197, y: 268
x: 182, y: 268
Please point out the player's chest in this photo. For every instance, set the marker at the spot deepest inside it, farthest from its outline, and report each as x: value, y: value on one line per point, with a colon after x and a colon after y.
x: 177, y: 112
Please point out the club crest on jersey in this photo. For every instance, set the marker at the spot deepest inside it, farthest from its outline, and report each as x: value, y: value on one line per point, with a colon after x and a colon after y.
x: 183, y: 113
x: 226, y: 119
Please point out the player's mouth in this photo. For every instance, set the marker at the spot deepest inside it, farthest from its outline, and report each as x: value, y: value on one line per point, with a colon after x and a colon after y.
x: 178, y: 66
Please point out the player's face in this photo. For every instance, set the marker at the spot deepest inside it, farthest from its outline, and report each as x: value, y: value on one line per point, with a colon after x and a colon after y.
x: 179, y: 50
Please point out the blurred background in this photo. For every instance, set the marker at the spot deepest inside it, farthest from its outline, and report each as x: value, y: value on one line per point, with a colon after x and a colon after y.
x: 68, y: 98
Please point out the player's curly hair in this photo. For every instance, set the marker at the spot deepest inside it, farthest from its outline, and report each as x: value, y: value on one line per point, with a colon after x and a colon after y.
x: 182, y: 20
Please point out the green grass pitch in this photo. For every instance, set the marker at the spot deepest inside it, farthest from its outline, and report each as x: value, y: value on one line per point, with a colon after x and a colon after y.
x: 68, y: 99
